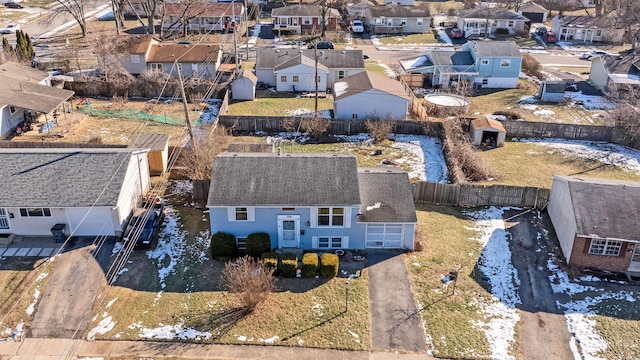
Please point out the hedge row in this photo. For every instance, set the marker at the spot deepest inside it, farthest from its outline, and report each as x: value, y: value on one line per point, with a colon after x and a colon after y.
x: 224, y: 245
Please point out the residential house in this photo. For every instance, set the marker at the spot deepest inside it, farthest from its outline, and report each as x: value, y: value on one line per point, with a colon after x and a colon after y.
x: 295, y: 69
x: 89, y: 192
x: 596, y: 222
x: 311, y: 201
x: 487, y: 132
x: 135, y: 50
x: 243, y: 87
x: 395, y: 18
x: 474, y: 22
x: 304, y: 18
x: 612, y: 72
x: 358, y: 10
x: 488, y: 64
x: 534, y: 12
x: 203, y: 18
x: 25, y: 93
x: 586, y: 29
x: 367, y: 95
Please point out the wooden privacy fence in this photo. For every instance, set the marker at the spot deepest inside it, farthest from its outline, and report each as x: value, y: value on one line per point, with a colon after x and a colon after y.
x: 201, y: 189
x: 479, y: 195
x: 531, y: 129
x: 415, y: 104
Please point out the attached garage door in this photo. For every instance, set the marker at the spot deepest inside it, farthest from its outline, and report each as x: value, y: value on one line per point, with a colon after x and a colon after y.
x: 534, y: 17
x: 387, y: 236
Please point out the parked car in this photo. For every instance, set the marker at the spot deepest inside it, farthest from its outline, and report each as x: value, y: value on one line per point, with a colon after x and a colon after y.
x: 11, y: 28
x: 589, y: 55
x: 14, y: 5
x: 541, y: 31
x: 145, y: 224
x: 357, y: 26
x: 322, y: 45
x: 456, y: 33
x: 549, y: 37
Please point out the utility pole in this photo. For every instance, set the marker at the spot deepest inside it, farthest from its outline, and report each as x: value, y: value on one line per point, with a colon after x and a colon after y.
x: 315, y: 52
x: 184, y: 102
x: 246, y: 24
x: 233, y: 26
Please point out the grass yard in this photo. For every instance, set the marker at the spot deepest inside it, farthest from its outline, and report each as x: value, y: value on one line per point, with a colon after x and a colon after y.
x: 8, y: 16
x: 428, y: 38
x: 277, y: 105
x: 507, y: 99
x: 445, y: 236
x: 524, y: 41
x: 616, y: 318
x: 528, y: 164
x: 374, y: 66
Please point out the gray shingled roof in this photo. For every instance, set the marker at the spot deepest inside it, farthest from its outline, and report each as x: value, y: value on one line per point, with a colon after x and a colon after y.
x: 490, y: 13
x: 365, y: 80
x: 62, y: 177
x: 495, y: 48
x: 395, y: 10
x: 299, y: 10
x: 300, y: 59
x: 31, y: 95
x: 269, y: 58
x: 155, y: 142
x: 605, y: 208
x: 451, y: 58
x: 581, y: 21
x: 628, y: 62
x: 386, y: 196
x: 254, y: 179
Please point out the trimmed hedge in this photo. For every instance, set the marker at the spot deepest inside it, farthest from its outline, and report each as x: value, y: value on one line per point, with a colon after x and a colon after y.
x: 289, y: 265
x: 309, y: 265
x: 223, y: 245
x: 270, y: 260
x: 258, y: 244
x: 329, y: 265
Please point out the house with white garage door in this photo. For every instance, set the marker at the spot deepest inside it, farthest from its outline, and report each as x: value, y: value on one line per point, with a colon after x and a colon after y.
x: 367, y: 95
x: 311, y: 201
x: 83, y: 192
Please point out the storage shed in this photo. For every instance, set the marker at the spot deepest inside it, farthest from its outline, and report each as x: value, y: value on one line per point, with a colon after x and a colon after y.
x: 551, y: 91
x: 243, y: 87
x: 534, y: 12
x: 158, y: 145
x: 487, y: 132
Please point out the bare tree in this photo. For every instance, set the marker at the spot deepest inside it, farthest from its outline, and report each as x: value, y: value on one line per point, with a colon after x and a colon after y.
x: 379, y: 129
x: 199, y: 155
x: 181, y: 14
x: 325, y: 15
x: 75, y: 8
x: 118, y: 8
x: 624, y: 117
x: 251, y: 279
x: 108, y: 49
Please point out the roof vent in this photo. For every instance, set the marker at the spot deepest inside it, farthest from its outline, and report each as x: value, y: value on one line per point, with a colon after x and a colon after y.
x: 344, y: 51
x: 277, y: 50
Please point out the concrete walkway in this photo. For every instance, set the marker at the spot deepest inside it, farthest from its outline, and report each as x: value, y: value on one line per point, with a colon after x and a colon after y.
x: 50, y: 349
x: 396, y: 323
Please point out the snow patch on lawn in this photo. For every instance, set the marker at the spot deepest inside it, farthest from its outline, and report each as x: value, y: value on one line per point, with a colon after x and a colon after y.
x: 427, y: 160
x: 304, y: 112
x: 104, y: 326
x: 170, y: 332
x: 171, y: 246
x: 181, y: 187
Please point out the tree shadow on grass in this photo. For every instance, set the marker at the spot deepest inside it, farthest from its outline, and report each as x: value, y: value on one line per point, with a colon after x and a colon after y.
x: 325, y: 321
x: 219, y: 323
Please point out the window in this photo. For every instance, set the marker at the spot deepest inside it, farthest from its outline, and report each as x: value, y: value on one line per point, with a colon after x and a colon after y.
x: 484, y: 62
x: 156, y: 67
x: 288, y: 209
x: 242, y: 214
x: 35, y: 212
x: 403, y: 22
x: 306, y: 21
x: 283, y: 78
x: 333, y: 242
x: 420, y: 22
x: 354, y: 116
x: 378, y: 21
x: 605, y: 247
x: 505, y: 63
x: 294, y: 22
x: 135, y: 59
x: 296, y: 78
x: 241, y: 243
x: 485, y: 81
x: 342, y: 74
x: 331, y: 216
x: 598, y: 33
x: 510, y: 24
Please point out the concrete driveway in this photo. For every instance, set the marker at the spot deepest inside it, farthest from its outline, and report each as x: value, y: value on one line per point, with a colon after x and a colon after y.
x: 395, y: 321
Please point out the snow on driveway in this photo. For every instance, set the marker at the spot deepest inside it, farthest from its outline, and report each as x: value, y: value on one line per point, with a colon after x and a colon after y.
x: 500, y: 315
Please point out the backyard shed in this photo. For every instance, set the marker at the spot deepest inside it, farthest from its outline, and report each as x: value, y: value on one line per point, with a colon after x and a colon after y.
x: 534, y: 12
x: 487, y: 132
x: 551, y: 91
x: 158, y: 145
x: 243, y: 87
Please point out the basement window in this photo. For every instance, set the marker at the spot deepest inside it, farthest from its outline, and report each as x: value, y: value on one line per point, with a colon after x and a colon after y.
x: 605, y: 247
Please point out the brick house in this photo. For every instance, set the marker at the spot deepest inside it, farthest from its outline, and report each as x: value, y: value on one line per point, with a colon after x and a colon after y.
x: 304, y: 19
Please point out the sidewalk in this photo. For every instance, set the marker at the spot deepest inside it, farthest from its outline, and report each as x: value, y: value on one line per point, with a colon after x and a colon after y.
x: 50, y: 349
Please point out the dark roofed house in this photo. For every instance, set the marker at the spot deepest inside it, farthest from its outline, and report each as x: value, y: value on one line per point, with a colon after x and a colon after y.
x: 303, y: 18
x: 596, y: 221
x: 91, y: 192
x: 609, y: 72
x: 534, y: 12
x: 396, y: 18
x: 587, y: 28
x: 473, y: 22
x: 200, y: 60
x: 286, y: 68
x: 352, y: 97
x: 311, y: 201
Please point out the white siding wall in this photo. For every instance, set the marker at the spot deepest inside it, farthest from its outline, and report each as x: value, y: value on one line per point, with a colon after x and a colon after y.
x: 371, y: 103
x: 266, y: 76
x: 598, y: 74
x: 562, y: 216
x: 498, y: 82
x: 36, y: 226
x: 87, y: 221
x: 306, y: 76
x: 243, y: 89
x: 136, y: 183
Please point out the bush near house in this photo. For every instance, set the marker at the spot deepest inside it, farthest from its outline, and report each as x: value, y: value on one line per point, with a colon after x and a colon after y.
x: 223, y: 245
x: 257, y: 244
x: 329, y: 265
x: 289, y: 265
x: 270, y: 260
x: 309, y: 265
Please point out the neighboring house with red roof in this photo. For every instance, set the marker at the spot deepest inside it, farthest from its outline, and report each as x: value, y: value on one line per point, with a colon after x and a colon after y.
x: 367, y: 95
x: 610, y: 72
x: 304, y: 19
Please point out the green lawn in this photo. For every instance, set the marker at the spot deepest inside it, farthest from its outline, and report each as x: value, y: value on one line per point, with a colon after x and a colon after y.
x: 428, y: 38
x: 374, y: 66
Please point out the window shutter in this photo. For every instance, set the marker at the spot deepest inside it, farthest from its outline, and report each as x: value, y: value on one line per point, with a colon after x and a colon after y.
x: 314, y: 242
x: 347, y: 217
x: 251, y: 214
x: 231, y: 214
x: 313, y: 217
x: 345, y: 242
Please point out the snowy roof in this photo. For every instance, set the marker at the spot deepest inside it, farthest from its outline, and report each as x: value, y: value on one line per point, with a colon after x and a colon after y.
x: 363, y: 81
x: 422, y: 61
x: 583, y: 21
x: 297, y: 179
x: 269, y: 58
x: 625, y: 79
x: 386, y: 195
x: 605, y: 208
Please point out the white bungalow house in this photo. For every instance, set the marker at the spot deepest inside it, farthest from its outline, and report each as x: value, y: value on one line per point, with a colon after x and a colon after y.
x: 611, y: 72
x: 367, y: 95
x: 396, y: 18
x: 586, y: 29
x: 294, y: 69
x: 86, y: 192
x: 474, y: 22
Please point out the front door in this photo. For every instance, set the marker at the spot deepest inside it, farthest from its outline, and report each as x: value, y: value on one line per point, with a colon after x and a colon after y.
x: 635, y: 260
x: 288, y: 231
x: 4, y: 220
